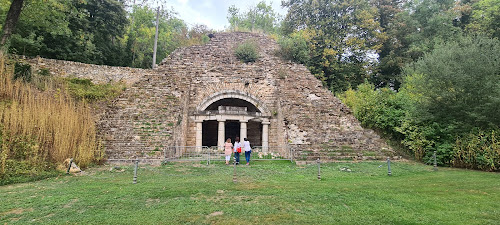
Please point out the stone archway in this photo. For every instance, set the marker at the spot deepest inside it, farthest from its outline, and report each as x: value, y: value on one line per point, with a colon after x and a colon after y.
x: 224, y: 112
x: 237, y: 95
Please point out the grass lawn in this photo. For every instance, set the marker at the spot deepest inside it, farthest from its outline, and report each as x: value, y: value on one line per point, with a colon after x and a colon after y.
x: 266, y: 193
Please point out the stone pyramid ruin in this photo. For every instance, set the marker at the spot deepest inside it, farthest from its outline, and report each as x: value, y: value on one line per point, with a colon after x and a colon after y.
x: 201, y: 95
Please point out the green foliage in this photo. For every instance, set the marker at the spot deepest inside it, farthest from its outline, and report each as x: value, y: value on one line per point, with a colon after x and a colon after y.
x: 259, y: 18
x: 247, y: 51
x: 486, y: 18
x: 44, y: 72
x: 84, y: 89
x: 84, y: 31
x: 342, y: 36
x: 381, y: 109
x: 99, y: 32
x: 455, y: 90
x: 458, y: 84
x: 20, y: 160
x: 414, y: 28
x: 478, y: 150
x: 447, y: 96
x: 294, y: 48
x: 22, y: 71
x: 142, y: 32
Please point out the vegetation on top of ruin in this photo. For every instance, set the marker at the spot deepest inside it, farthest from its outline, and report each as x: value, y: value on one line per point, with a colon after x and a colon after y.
x: 247, y: 51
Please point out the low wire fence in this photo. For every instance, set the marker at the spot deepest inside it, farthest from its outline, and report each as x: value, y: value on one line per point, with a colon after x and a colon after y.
x: 214, y: 153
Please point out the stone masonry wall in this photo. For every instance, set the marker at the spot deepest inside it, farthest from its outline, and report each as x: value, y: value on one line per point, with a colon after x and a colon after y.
x: 97, y: 73
x: 157, y: 110
x: 214, y: 68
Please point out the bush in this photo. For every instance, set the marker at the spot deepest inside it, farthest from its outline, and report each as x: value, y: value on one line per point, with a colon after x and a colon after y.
x: 294, y: 48
x: 448, y: 103
x: 20, y: 159
x: 478, y: 150
x: 381, y: 109
x: 22, y: 71
x: 247, y: 51
x: 24, y: 171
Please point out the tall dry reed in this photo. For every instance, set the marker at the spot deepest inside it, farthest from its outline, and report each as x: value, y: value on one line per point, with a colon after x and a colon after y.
x: 61, y: 126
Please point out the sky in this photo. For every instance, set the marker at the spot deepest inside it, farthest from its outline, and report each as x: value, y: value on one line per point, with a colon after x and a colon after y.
x: 213, y: 13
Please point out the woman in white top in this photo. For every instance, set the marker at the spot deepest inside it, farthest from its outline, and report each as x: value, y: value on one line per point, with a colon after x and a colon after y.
x: 248, y: 150
x: 237, y: 150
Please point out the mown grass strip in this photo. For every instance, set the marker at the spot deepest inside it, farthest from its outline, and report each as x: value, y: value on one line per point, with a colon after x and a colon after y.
x: 266, y: 193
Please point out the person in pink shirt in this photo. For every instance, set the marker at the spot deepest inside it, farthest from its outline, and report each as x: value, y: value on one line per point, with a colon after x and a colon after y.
x: 228, y: 149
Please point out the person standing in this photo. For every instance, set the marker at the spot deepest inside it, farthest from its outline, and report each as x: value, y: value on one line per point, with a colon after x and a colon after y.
x: 248, y: 150
x: 228, y: 147
x: 237, y: 150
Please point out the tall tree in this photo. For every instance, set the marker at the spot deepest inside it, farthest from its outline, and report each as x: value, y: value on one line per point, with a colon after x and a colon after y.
x: 486, y: 18
x: 458, y: 84
x: 107, y: 20
x: 173, y: 33
x: 389, y: 65
x: 414, y: 31
x: 261, y: 17
x: 344, y: 36
x: 11, y: 20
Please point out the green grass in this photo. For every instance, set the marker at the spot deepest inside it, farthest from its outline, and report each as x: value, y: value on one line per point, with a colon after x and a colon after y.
x: 266, y: 193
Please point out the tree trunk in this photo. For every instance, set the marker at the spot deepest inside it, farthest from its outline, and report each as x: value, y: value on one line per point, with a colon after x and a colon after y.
x: 11, y: 20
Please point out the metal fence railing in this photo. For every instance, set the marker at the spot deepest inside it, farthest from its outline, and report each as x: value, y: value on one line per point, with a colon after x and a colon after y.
x: 202, y: 153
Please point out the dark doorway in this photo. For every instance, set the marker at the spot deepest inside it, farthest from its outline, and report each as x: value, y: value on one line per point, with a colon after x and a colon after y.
x: 209, y: 133
x: 232, y: 130
x: 254, y: 133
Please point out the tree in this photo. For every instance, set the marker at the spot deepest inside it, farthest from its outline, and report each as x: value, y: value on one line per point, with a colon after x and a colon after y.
x: 173, y: 33
x: 11, y: 20
x: 106, y: 22
x: 343, y: 35
x: 458, y: 84
x: 261, y: 17
x: 84, y: 31
x: 413, y: 31
x: 486, y: 18
x: 389, y: 63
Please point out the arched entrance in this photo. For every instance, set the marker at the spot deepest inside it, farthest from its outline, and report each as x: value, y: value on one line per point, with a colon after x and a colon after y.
x: 231, y: 114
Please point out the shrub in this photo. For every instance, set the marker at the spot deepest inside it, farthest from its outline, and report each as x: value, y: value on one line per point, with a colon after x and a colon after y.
x: 44, y: 72
x: 247, y: 51
x: 84, y: 89
x: 478, y: 150
x: 294, y: 48
x: 22, y: 71
x: 381, y: 109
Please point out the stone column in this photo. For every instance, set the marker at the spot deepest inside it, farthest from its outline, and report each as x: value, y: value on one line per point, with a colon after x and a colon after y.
x: 243, y: 129
x: 199, y: 134
x: 222, y: 133
x: 265, y: 136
